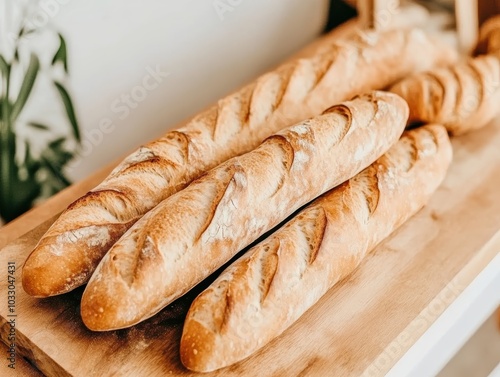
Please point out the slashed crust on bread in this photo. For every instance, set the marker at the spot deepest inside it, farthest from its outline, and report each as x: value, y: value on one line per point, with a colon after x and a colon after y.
x: 261, y: 294
x: 194, y: 232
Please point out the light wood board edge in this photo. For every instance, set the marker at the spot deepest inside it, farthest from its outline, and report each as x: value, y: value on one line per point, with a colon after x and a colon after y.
x: 424, y: 320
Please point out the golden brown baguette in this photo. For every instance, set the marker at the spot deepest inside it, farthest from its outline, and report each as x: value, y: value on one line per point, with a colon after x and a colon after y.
x: 68, y: 253
x: 489, y: 37
x: 264, y: 292
x: 194, y: 232
x: 463, y: 98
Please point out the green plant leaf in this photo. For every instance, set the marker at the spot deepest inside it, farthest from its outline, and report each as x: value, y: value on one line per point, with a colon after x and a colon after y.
x: 57, y: 144
x: 30, y: 163
x: 68, y: 105
x: 61, y: 54
x: 16, y: 195
x: 56, y: 171
x: 58, y: 157
x: 54, y: 158
x: 4, y: 67
x: 8, y: 172
x: 39, y: 126
x: 57, y: 153
x: 26, y: 87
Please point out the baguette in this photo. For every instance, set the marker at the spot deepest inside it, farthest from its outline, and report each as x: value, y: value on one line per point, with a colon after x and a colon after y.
x: 264, y: 292
x: 194, y: 232
x: 463, y: 98
x: 489, y: 37
x: 68, y: 253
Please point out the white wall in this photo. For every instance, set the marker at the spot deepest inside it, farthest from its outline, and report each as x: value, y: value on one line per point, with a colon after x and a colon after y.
x: 203, y: 49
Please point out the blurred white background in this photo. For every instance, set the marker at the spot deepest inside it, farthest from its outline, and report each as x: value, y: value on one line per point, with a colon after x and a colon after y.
x: 138, y: 68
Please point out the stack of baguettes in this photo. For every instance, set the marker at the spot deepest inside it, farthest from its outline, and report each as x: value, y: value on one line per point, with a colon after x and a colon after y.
x: 315, y: 134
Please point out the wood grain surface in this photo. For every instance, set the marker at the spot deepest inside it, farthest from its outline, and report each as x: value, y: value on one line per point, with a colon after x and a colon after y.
x: 360, y: 327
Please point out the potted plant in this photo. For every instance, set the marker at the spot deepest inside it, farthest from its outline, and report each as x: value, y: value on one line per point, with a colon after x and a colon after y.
x: 33, y: 154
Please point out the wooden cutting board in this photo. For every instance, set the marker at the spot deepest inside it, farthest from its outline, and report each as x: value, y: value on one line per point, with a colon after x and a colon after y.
x: 361, y: 326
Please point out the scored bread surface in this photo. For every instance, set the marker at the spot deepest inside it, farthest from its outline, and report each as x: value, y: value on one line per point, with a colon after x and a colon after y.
x: 464, y: 97
x: 261, y: 294
x: 192, y: 233
x: 489, y: 37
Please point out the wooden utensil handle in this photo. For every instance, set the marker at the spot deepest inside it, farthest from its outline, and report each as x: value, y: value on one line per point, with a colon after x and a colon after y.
x: 377, y: 14
x: 466, y: 13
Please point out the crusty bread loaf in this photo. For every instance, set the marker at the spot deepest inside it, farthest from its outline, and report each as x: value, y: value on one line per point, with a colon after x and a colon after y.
x: 489, y: 37
x: 463, y: 98
x: 192, y: 233
x: 410, y: 16
x: 261, y: 294
x: 68, y: 253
